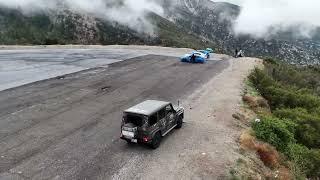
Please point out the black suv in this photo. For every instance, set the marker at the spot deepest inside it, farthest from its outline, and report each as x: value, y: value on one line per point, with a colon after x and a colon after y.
x: 149, y: 121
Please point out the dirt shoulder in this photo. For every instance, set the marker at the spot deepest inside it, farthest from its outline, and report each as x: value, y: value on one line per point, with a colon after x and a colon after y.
x: 206, y: 146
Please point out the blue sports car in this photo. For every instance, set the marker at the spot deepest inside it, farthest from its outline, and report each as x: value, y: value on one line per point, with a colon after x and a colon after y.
x: 194, y: 57
x: 207, y: 53
x: 210, y: 50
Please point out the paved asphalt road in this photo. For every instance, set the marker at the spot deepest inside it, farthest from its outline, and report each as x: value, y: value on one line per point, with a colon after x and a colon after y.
x: 23, y: 65
x: 68, y: 127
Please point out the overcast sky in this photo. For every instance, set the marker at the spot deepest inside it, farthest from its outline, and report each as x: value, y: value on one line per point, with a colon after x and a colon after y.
x: 262, y: 18
x: 238, y: 2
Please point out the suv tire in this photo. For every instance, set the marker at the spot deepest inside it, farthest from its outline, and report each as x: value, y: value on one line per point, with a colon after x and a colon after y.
x: 179, y: 122
x: 129, y: 142
x: 156, y: 140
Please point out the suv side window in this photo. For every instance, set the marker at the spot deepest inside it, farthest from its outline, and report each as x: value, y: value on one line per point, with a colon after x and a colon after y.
x: 168, y: 109
x: 153, y: 119
x: 162, y: 114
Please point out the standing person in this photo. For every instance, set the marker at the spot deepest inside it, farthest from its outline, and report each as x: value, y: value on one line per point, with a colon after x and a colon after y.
x: 236, y: 53
x: 193, y: 58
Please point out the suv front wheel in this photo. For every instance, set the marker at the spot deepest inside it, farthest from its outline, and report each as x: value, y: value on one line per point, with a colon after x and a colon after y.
x: 179, y: 122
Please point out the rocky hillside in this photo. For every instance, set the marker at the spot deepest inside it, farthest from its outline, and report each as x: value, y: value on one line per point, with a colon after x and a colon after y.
x: 213, y: 21
x: 185, y: 23
x: 66, y: 27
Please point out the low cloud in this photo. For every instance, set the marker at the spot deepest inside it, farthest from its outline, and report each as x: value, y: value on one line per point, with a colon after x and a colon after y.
x: 127, y: 12
x: 264, y: 18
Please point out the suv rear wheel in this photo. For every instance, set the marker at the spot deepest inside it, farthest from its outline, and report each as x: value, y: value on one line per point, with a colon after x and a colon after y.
x: 156, y: 141
x: 129, y: 141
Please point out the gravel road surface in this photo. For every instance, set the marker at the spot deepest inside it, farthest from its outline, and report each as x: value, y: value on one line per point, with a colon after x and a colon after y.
x: 68, y: 127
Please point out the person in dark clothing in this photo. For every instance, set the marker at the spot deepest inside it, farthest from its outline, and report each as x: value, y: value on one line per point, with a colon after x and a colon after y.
x: 193, y: 58
x: 236, y: 53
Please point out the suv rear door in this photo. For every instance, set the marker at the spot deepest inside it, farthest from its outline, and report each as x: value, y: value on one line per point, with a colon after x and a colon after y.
x: 170, y: 117
x: 157, y: 122
x: 153, y: 123
x: 162, y: 120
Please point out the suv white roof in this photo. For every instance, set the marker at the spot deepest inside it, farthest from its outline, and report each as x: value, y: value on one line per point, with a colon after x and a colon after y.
x: 147, y: 107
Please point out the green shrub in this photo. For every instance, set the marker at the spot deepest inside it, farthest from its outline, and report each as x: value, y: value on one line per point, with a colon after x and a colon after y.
x: 270, y: 60
x: 293, y: 93
x: 281, y: 97
x: 261, y: 80
x: 289, y: 75
x: 307, y: 131
x: 275, y: 131
x: 308, y: 134
x: 307, y: 160
x: 317, y: 111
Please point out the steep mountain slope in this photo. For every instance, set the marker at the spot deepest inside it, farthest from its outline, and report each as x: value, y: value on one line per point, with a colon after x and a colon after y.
x: 213, y: 21
x: 67, y: 27
x: 185, y: 23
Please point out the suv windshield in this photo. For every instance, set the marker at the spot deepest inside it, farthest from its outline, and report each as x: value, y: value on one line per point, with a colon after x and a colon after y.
x: 135, y: 119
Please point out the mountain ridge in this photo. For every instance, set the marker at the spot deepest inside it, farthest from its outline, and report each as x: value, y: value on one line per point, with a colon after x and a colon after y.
x: 219, y: 30
x: 185, y: 23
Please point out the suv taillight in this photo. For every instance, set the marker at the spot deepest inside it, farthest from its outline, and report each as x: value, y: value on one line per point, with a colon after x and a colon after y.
x: 145, y: 139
